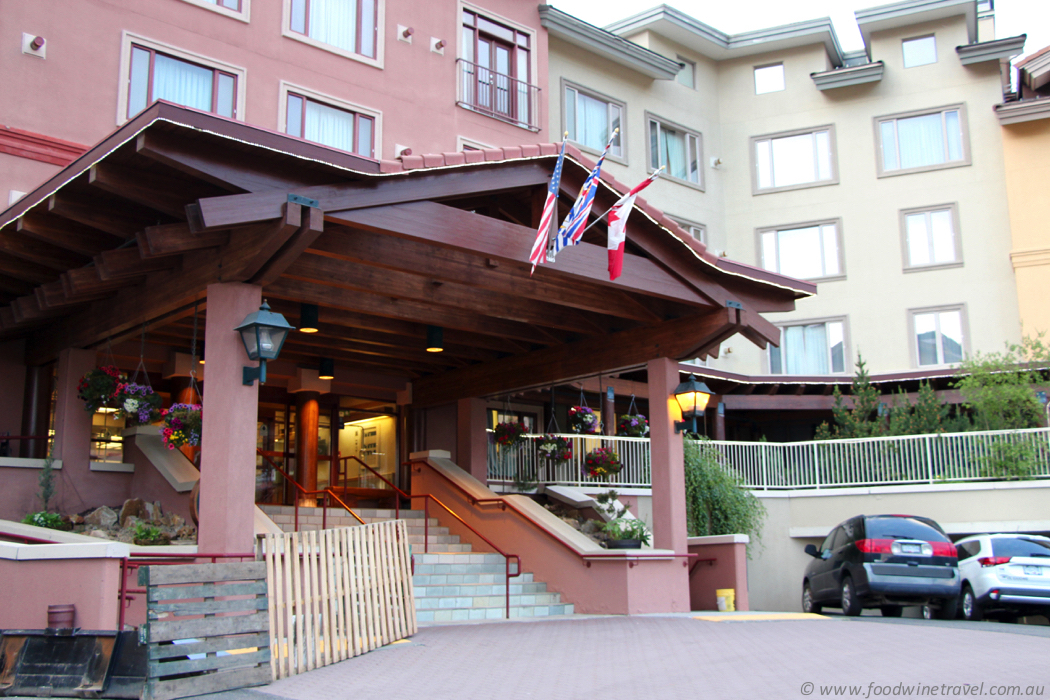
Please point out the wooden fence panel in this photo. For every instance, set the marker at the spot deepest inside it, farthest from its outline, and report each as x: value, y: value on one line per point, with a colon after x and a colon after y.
x: 215, y: 609
x: 337, y: 593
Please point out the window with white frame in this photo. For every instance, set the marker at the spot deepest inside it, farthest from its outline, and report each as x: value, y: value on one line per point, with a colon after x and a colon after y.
x: 495, y: 68
x: 154, y: 75
x: 938, y: 336
x: 235, y: 9
x: 794, y: 159
x: 590, y: 119
x: 806, y: 251
x: 350, y: 26
x: 920, y: 51
x: 931, y: 237
x: 925, y: 140
x: 812, y: 348
x: 331, y: 126
x: 697, y: 231
x: 676, y: 148
x: 686, y: 72
x: 769, y: 79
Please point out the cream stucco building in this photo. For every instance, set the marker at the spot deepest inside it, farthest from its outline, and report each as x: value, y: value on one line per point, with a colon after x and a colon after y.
x: 878, y: 174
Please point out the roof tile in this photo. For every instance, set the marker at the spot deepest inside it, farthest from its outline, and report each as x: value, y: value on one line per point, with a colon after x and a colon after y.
x: 454, y: 158
x: 412, y: 162
x: 474, y: 156
x: 433, y: 160
x: 530, y: 151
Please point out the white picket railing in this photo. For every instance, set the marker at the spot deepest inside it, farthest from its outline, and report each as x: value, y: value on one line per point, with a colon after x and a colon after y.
x: 911, y: 459
x: 524, y: 463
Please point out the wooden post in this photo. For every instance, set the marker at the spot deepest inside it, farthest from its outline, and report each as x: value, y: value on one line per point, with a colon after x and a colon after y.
x: 608, y: 414
x: 718, y: 409
x: 36, y: 410
x: 307, y: 414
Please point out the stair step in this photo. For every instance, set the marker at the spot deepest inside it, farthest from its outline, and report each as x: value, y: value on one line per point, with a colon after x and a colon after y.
x: 428, y: 580
x: 476, y: 590
x: 427, y: 617
x: 490, y: 601
x: 456, y: 558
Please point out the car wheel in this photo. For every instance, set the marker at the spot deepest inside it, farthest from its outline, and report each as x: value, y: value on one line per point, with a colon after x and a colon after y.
x: 808, y: 605
x: 850, y: 602
x: 891, y: 610
x: 971, y: 609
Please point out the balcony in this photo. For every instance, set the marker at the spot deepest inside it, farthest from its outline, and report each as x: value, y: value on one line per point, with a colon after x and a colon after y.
x: 483, y: 90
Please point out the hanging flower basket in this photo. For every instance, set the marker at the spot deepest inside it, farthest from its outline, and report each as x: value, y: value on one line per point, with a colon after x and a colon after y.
x: 554, y: 450
x: 509, y: 434
x: 602, y: 462
x: 632, y: 426
x: 582, y: 420
x: 137, y: 403
x: 182, y: 425
x: 98, y: 387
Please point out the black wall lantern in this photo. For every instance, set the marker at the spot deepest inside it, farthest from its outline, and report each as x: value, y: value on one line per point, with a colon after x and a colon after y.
x: 692, y: 397
x: 263, y: 333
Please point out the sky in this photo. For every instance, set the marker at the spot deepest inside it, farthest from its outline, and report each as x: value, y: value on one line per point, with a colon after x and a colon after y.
x: 1012, y: 17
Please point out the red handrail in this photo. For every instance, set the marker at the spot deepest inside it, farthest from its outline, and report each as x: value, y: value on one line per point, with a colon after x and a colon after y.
x: 426, y: 527
x: 327, y: 493
x: 504, y: 504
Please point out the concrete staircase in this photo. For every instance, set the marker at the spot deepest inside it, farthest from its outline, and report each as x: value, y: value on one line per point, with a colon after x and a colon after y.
x: 452, y: 583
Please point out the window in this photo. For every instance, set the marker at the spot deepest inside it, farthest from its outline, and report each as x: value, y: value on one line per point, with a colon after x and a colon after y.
x: 153, y: 75
x: 697, y: 231
x: 679, y: 150
x: 349, y: 26
x: 345, y: 127
x: 922, y: 141
x: 806, y: 251
x: 769, y: 79
x: 495, y: 69
x: 794, y: 159
x: 938, y: 336
x: 687, y: 73
x: 810, y: 348
x: 590, y: 120
x: 931, y: 237
x: 919, y: 52
x: 236, y: 9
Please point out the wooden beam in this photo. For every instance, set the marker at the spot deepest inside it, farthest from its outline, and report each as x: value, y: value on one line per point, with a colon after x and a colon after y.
x: 27, y: 271
x: 564, y: 363
x: 452, y: 265
x: 99, y: 214
x: 292, y: 248
x: 10, y: 285
x: 404, y: 309
x: 65, y: 234
x: 176, y: 239
x: 454, y: 228
x: 153, y: 189
x: 128, y: 262
x: 33, y: 250
x: 231, y: 210
x: 400, y: 285
x: 257, y: 244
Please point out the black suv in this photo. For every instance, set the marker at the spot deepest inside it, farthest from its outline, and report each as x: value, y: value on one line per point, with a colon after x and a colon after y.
x: 885, y: 562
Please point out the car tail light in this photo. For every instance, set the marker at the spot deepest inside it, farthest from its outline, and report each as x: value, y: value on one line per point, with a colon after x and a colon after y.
x: 944, y: 549
x: 875, y: 546
x: 994, y: 595
x: 993, y: 561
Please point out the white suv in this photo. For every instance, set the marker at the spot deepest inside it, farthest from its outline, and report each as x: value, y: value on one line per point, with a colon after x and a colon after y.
x: 1004, y: 575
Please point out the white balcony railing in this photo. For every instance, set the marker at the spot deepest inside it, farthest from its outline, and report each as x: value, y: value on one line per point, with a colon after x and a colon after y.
x: 498, y: 95
x: 912, y: 459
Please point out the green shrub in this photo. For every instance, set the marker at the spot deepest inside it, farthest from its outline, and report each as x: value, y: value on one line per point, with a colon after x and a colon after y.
x: 716, y: 501
x: 46, y: 519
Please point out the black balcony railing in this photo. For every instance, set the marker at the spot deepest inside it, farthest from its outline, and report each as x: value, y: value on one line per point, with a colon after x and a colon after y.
x: 497, y: 95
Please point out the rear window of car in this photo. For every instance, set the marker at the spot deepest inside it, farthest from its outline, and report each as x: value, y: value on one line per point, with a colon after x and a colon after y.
x: 1010, y: 547
x: 902, y: 529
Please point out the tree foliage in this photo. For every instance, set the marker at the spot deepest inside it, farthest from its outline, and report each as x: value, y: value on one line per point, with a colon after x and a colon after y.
x: 998, y: 387
x: 858, y: 418
x: 716, y: 501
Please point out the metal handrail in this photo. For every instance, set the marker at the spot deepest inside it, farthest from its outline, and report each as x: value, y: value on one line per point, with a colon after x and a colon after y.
x: 426, y: 528
x: 498, y: 95
x: 504, y: 504
x: 328, y: 493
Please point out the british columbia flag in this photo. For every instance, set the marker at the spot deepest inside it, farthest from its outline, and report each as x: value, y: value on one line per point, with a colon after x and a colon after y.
x: 571, y: 230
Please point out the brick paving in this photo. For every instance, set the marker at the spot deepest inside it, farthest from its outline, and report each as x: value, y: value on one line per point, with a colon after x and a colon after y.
x: 667, y: 657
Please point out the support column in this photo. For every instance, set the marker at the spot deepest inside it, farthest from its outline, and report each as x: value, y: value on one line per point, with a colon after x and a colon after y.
x: 608, y: 414
x: 73, y: 426
x: 668, y: 458
x: 719, y: 411
x: 36, y: 410
x: 307, y: 420
x: 472, y: 443
x: 227, y: 498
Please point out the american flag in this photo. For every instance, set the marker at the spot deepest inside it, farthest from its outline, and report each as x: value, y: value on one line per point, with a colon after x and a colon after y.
x: 572, y: 228
x: 550, y: 209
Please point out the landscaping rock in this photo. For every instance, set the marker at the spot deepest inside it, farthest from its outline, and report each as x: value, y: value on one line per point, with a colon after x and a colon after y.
x: 133, y: 507
x: 102, y: 518
x: 104, y: 534
x: 76, y: 520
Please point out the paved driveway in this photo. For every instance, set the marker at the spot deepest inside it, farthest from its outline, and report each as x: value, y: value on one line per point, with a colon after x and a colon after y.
x: 664, y: 657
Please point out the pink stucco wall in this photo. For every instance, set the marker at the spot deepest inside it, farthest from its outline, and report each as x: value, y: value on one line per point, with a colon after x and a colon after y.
x: 415, y: 90
x: 30, y: 586
x: 729, y: 570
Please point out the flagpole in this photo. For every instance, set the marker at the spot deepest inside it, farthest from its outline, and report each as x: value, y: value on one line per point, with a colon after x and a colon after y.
x: 588, y: 228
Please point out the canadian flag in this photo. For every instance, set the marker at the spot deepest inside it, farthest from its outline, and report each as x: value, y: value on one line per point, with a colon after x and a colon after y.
x: 618, y: 225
